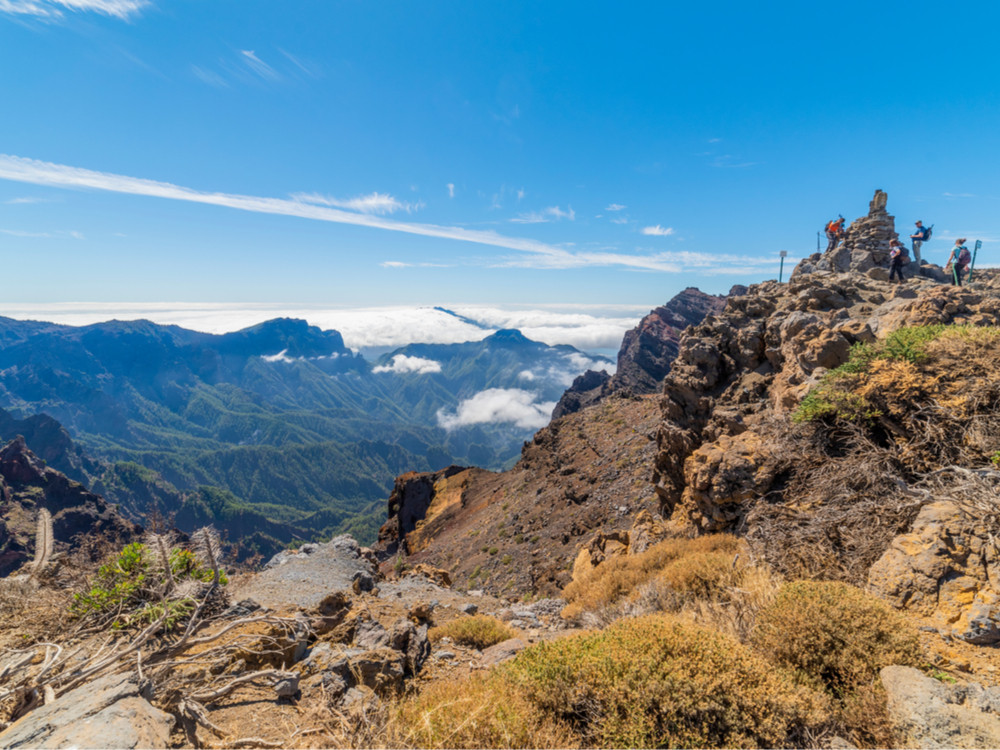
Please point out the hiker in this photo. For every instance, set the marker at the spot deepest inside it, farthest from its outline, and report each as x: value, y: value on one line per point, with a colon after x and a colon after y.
x: 834, y: 231
x: 959, y: 261
x: 919, y: 238
x: 897, y: 259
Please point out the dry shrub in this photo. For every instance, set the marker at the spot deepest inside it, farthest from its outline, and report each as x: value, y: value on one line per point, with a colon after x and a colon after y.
x: 30, y: 612
x: 655, y: 681
x: 735, y: 613
x: 619, y: 578
x: 833, y: 635
x: 477, y: 631
x: 862, y: 717
x: 474, y: 712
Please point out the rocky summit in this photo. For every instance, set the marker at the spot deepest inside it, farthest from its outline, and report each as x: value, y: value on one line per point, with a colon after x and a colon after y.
x: 791, y: 543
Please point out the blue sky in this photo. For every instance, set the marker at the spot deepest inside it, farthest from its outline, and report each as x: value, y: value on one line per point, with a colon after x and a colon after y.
x: 500, y: 153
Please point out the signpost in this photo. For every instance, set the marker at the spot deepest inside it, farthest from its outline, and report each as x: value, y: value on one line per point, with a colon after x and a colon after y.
x: 975, y: 250
x: 781, y: 269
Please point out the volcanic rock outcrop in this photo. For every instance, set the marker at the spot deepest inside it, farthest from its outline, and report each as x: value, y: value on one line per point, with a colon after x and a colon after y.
x: 645, y: 354
x: 27, y: 485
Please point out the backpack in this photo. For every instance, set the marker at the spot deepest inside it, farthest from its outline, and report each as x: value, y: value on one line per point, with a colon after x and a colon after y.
x: 964, y: 257
x: 904, y: 255
x: 927, y: 233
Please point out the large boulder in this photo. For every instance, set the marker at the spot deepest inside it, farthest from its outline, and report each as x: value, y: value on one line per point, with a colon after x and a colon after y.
x: 111, y: 711
x: 928, y: 713
x: 944, y: 569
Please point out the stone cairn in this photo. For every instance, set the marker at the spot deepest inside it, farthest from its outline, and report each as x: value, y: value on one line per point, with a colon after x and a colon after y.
x: 865, y: 245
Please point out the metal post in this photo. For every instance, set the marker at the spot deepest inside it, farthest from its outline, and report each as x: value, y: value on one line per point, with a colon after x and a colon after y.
x: 781, y: 268
x: 975, y: 250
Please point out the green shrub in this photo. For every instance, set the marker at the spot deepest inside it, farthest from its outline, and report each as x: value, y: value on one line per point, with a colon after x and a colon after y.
x: 833, y: 635
x: 477, y: 631
x: 135, y: 589
x: 656, y: 682
x: 835, y: 397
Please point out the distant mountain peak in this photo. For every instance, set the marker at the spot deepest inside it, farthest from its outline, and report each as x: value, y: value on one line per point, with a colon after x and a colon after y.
x: 509, y: 336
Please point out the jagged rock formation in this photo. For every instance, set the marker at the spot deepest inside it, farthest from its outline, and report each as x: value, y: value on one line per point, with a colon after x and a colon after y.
x: 27, y: 485
x: 645, y: 354
x: 865, y: 248
x: 865, y: 244
x: 761, y: 356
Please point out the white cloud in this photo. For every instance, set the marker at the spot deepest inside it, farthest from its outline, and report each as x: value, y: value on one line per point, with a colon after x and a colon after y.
x: 539, y: 254
x: 29, y: 199
x: 499, y: 405
x: 210, y: 77
x: 620, y: 220
x: 54, y: 8
x: 520, y: 195
x: 527, y: 375
x: 615, y: 207
x: 658, y: 231
x: 451, y: 189
x: 35, y: 172
x: 582, y: 326
x: 59, y: 234
x: 376, y: 203
x: 279, y: 357
x: 403, y: 364
x: 959, y: 195
x: 552, y: 213
x: 404, y: 264
x: 258, y: 66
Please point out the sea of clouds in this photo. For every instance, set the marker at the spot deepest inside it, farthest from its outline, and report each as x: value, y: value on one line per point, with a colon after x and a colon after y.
x: 594, y: 328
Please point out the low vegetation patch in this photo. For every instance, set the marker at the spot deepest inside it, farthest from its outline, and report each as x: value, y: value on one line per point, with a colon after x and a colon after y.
x: 656, y: 682
x: 678, y: 569
x: 477, y: 631
x: 472, y: 713
x: 833, y: 635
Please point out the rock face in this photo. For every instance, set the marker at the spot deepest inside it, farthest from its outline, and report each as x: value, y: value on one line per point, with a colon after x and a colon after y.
x: 26, y: 485
x: 932, y: 714
x: 944, y: 569
x: 111, y: 711
x: 408, y: 504
x: 520, y: 530
x: 646, y: 352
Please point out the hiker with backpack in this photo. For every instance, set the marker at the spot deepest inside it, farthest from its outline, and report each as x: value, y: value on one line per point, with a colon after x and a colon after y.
x: 919, y: 238
x: 897, y: 259
x: 834, y: 231
x: 959, y: 261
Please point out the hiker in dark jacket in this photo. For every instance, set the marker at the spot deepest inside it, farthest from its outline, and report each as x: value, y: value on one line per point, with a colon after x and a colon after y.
x: 959, y: 261
x: 919, y: 238
x: 897, y: 256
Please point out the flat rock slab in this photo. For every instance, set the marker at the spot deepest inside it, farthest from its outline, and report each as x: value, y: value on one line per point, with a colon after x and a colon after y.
x: 108, y: 712
x: 928, y: 713
x: 304, y: 578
